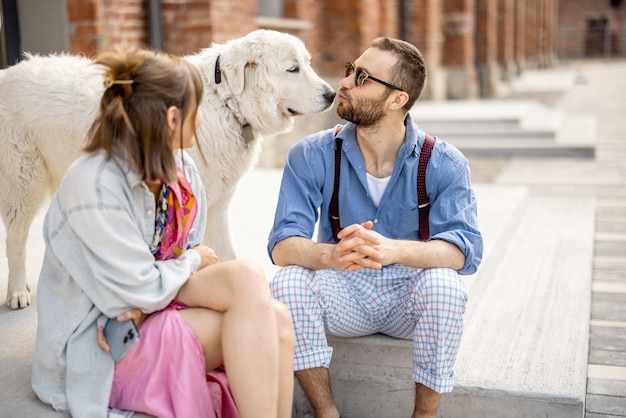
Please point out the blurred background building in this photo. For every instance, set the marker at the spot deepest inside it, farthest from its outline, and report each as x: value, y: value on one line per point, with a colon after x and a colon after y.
x: 472, y: 47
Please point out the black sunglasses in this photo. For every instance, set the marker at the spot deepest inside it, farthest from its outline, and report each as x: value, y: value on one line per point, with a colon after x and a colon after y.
x: 361, y: 75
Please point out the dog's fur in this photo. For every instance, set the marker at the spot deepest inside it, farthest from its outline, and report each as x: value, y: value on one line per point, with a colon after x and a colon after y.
x: 48, y: 103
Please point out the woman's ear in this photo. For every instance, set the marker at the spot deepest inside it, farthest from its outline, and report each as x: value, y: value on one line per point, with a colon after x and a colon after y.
x: 172, y: 117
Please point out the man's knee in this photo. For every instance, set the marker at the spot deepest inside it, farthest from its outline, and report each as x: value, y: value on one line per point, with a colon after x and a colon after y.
x: 289, y: 282
x: 440, y: 286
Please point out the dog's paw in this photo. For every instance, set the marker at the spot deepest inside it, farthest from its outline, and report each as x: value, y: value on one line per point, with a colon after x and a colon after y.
x: 18, y: 300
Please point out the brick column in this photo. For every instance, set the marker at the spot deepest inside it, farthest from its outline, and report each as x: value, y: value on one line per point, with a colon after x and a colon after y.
x: 459, y: 52
x: 520, y: 35
x: 389, y: 18
x: 551, y: 28
x: 424, y: 30
x: 541, y: 33
x: 506, y: 38
x: 96, y: 26
x: 85, y: 27
x: 125, y: 23
x: 191, y: 25
x: 487, y: 47
x: 532, y: 34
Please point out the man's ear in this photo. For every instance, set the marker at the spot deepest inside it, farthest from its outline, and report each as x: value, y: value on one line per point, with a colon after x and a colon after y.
x: 172, y: 117
x: 399, y: 99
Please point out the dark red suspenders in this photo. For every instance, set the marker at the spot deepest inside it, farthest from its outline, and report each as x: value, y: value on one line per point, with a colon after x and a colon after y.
x: 333, y: 209
x: 423, y: 204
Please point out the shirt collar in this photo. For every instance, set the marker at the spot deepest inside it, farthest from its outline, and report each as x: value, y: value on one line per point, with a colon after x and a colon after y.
x: 133, y: 178
x: 412, y: 137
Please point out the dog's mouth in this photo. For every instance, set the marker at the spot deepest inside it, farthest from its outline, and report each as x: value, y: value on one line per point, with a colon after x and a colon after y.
x: 293, y: 112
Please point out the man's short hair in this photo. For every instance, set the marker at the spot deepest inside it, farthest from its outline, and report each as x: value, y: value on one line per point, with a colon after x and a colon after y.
x: 409, y: 73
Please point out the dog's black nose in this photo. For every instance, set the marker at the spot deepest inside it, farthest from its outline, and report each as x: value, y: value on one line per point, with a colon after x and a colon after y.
x: 329, y: 95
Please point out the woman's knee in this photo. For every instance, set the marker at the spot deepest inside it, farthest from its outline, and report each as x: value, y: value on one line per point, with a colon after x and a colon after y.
x: 247, y: 281
x: 284, y: 324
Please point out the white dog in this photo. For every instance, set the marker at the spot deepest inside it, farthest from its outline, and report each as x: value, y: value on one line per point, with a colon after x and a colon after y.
x: 254, y: 86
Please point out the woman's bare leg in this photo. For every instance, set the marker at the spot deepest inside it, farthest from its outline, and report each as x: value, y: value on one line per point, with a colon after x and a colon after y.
x: 207, y: 325
x: 250, y: 340
x: 287, y: 343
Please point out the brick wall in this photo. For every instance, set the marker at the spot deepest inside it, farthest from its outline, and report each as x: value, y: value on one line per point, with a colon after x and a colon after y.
x: 340, y: 30
x: 85, y: 26
x: 503, y: 36
x: 124, y: 23
x: 187, y: 25
x: 308, y: 11
x: 231, y: 19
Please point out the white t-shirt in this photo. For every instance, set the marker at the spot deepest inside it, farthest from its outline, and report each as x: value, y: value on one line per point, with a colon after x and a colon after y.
x: 377, y: 187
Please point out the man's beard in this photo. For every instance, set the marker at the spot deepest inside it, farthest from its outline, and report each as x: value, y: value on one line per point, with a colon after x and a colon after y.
x: 365, y: 112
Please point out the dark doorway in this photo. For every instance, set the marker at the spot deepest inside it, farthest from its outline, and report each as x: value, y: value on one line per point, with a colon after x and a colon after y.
x: 600, y: 41
x: 10, y: 48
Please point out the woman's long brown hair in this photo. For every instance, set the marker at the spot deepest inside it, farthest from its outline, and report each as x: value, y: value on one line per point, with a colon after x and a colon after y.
x: 140, y: 86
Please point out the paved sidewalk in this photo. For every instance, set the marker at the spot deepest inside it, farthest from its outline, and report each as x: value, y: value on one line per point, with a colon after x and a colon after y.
x: 600, y: 92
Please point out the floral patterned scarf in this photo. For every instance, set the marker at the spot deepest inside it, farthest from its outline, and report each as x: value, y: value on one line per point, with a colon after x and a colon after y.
x: 175, y: 213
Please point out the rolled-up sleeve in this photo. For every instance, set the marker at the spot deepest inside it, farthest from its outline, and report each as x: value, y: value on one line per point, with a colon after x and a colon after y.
x: 453, y: 215
x: 300, y: 195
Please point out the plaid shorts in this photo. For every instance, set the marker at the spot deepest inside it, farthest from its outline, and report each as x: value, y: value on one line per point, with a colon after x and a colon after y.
x: 426, y: 306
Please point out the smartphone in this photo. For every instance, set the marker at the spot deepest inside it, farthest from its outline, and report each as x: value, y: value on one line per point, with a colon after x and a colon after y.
x: 120, y: 336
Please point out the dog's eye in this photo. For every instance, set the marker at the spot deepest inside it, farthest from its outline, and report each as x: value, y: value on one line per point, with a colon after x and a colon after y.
x: 294, y: 69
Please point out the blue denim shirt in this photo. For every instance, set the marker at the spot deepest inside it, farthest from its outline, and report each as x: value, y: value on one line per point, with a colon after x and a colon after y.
x: 98, y: 264
x: 308, y: 182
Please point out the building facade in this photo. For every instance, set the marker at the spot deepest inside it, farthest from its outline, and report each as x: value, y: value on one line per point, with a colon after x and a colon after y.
x: 592, y: 29
x: 470, y: 46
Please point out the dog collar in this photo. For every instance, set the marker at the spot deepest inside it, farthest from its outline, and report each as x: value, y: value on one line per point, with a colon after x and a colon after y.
x: 218, y: 71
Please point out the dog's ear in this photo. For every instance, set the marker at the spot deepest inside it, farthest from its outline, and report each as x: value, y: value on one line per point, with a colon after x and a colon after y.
x: 233, y: 65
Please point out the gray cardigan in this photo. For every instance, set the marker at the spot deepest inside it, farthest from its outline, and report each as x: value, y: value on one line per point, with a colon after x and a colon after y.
x: 97, y: 265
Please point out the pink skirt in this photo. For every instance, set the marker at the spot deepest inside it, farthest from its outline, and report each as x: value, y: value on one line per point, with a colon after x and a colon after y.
x: 163, y: 374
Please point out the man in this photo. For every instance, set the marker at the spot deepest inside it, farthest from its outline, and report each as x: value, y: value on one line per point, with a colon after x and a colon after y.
x: 376, y: 277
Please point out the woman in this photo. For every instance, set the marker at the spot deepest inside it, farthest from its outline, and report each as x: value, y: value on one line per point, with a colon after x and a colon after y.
x: 123, y: 232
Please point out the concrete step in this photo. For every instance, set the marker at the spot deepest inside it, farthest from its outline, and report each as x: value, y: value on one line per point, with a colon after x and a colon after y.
x: 508, y: 127
x: 524, y: 350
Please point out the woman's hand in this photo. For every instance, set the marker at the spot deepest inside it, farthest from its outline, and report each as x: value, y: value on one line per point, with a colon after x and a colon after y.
x: 207, y: 256
x: 134, y: 315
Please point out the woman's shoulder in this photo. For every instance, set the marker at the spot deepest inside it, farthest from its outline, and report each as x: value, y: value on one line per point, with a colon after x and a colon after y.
x: 83, y: 170
x: 92, y: 174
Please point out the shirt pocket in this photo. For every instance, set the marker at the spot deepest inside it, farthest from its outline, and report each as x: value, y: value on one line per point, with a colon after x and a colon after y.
x: 405, y: 223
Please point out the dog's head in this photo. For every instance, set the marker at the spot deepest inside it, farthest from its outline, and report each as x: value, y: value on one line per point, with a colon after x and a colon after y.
x: 271, y: 80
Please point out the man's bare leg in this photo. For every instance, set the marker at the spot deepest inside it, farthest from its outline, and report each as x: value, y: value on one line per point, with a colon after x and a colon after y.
x: 426, y: 402
x: 315, y: 383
